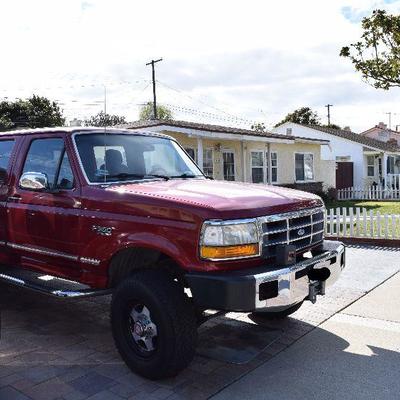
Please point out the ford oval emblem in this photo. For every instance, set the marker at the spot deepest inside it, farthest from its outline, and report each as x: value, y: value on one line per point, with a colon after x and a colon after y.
x: 301, y: 232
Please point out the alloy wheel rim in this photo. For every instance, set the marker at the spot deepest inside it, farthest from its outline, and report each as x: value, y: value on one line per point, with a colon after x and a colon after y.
x: 143, y: 329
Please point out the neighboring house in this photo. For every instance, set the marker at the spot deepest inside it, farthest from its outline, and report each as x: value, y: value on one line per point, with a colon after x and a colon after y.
x: 382, y: 133
x: 360, y: 160
x: 234, y: 154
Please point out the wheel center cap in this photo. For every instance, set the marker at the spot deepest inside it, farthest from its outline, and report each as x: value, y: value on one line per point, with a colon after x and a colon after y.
x: 138, y: 328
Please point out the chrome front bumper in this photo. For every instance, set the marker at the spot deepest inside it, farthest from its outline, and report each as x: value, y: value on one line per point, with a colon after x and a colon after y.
x: 294, y: 281
x: 269, y: 288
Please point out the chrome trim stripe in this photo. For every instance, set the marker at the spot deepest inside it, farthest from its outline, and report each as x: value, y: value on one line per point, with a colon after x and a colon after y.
x: 12, y: 279
x: 91, y: 261
x: 45, y: 252
x: 2, y: 243
x: 292, y: 214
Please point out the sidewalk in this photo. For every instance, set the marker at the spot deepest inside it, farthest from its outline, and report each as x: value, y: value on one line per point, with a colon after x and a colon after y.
x: 353, y: 355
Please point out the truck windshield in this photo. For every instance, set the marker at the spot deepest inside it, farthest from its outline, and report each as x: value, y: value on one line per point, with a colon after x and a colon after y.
x: 116, y: 157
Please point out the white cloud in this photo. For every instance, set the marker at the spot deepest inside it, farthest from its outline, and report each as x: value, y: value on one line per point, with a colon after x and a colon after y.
x: 256, y: 59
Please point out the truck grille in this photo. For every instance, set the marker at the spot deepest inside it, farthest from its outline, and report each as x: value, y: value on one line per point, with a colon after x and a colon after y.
x: 303, y: 229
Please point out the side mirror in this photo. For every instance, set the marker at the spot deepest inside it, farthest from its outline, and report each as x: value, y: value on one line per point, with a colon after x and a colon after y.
x: 34, y: 181
x: 3, y: 175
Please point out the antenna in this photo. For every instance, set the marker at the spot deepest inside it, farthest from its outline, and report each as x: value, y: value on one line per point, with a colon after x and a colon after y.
x: 105, y: 132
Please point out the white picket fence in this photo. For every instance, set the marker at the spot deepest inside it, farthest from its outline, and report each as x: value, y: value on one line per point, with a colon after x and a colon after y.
x: 377, y: 192
x: 362, y: 223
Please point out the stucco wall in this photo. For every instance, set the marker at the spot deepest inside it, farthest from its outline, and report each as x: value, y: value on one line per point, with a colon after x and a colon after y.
x: 323, y: 170
x: 338, y: 148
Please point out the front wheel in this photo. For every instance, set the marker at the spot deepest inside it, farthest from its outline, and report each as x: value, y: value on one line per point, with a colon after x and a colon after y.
x: 278, y: 314
x: 154, y: 324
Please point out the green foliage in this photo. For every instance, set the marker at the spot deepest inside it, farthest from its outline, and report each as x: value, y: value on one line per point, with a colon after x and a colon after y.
x: 258, y: 127
x: 35, y: 112
x: 377, y: 54
x: 102, y: 119
x: 303, y: 115
x: 163, y: 113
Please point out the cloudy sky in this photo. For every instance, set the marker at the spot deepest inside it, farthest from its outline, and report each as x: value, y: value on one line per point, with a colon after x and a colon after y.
x: 229, y: 62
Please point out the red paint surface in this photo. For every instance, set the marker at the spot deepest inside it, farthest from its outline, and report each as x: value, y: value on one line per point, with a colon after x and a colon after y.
x: 163, y: 215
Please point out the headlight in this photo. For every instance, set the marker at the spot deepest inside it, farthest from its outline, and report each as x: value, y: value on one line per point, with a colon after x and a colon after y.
x: 224, y: 240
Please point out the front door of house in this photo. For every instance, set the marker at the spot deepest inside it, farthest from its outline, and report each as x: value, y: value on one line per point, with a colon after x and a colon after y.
x: 344, y: 175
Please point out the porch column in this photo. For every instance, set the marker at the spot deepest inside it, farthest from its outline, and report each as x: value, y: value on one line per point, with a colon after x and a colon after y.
x: 384, y: 168
x: 244, y: 164
x: 200, y: 152
x: 269, y: 164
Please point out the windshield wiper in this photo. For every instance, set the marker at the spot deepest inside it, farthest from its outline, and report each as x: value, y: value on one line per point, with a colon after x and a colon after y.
x: 126, y: 175
x: 185, y: 175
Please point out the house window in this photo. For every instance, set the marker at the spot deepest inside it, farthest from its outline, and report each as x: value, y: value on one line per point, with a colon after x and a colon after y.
x: 304, y: 166
x: 390, y: 165
x: 192, y: 153
x: 393, y: 165
x: 208, y: 165
x: 259, y: 166
x: 229, y: 165
x: 370, y: 166
x: 274, y: 167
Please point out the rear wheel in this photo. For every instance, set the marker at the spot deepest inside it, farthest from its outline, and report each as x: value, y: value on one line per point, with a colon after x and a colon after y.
x: 278, y: 314
x: 154, y: 324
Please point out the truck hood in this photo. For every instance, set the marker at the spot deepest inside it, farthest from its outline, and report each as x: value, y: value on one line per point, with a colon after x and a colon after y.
x: 243, y: 199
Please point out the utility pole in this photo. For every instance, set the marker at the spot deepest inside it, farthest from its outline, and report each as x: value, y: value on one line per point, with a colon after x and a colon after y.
x: 152, y: 62
x: 390, y: 119
x: 328, y: 106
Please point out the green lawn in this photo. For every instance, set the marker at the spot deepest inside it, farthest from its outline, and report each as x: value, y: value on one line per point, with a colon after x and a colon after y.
x: 389, y: 207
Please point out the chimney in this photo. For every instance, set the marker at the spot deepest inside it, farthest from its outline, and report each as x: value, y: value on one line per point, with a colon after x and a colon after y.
x: 382, y: 125
x: 347, y: 128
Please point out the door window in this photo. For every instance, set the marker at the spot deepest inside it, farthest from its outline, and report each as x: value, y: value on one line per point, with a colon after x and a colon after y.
x: 48, y: 156
x: 65, y: 178
x: 6, y: 147
x: 208, y: 165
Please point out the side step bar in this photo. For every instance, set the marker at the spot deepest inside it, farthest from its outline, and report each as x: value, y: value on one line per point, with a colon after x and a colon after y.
x: 48, y: 284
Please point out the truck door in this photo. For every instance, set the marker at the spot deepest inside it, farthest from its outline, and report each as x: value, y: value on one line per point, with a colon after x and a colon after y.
x: 43, y: 225
x: 6, y: 149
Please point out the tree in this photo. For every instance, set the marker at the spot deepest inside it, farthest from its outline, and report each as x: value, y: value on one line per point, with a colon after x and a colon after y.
x: 303, y: 115
x: 258, y: 127
x: 377, y: 54
x: 147, y: 113
x: 35, y: 112
x: 103, y: 119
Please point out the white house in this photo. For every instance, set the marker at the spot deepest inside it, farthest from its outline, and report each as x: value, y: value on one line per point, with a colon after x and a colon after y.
x: 360, y: 160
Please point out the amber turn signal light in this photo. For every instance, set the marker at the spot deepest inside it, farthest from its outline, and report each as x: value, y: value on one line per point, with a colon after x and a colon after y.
x: 221, y: 252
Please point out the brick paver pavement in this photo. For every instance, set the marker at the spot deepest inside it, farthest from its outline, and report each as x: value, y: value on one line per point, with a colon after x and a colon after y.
x: 63, y: 349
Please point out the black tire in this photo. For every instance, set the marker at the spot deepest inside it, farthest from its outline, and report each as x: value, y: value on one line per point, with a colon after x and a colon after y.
x: 172, y: 313
x: 278, y: 314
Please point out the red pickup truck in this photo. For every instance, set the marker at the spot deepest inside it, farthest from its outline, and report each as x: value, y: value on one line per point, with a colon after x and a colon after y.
x: 89, y: 211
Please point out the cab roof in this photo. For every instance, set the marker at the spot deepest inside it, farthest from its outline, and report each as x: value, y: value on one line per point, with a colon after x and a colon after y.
x: 78, y: 129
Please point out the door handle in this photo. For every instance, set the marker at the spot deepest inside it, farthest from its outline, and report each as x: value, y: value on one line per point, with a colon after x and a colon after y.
x: 15, y: 197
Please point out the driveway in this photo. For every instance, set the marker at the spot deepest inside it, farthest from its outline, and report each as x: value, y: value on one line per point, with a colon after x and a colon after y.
x: 63, y: 349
